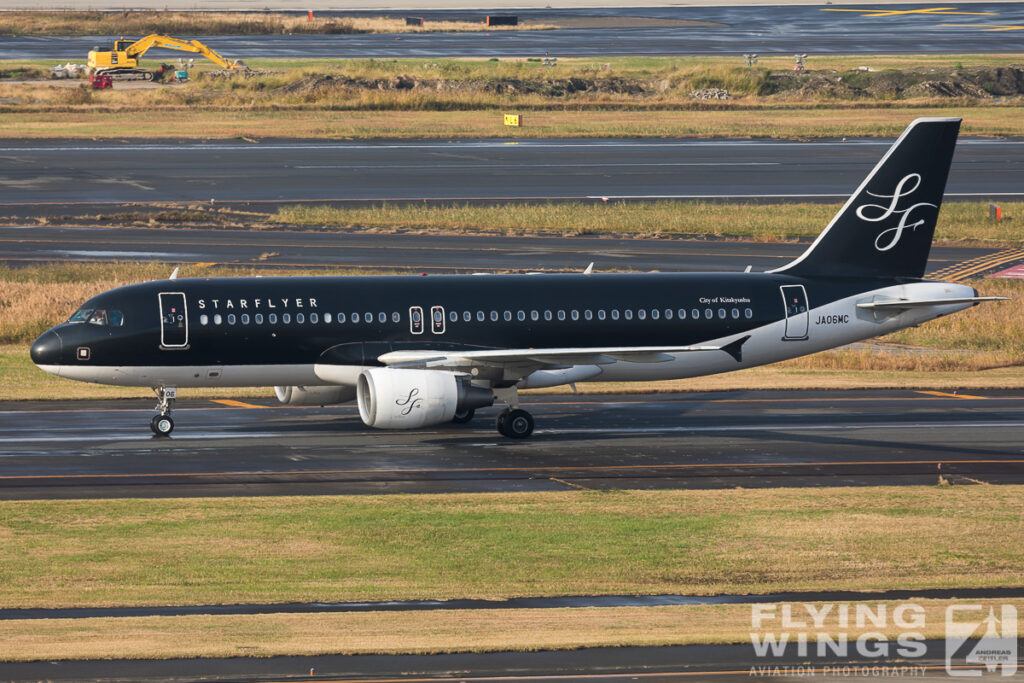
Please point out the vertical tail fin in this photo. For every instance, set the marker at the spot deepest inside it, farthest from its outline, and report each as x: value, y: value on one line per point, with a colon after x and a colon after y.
x: 885, y: 228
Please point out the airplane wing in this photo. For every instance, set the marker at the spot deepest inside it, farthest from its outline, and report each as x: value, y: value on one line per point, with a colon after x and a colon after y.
x: 919, y: 303
x: 548, y: 358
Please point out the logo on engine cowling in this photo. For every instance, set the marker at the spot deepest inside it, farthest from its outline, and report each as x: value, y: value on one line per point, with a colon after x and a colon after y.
x: 409, y: 402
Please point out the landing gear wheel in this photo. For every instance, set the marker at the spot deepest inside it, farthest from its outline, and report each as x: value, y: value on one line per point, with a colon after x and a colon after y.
x: 463, y: 417
x: 162, y: 425
x: 515, y: 424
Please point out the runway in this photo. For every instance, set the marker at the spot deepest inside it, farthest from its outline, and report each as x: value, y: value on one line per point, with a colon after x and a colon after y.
x: 694, y: 662
x: 403, y: 252
x: 753, y: 439
x: 779, y: 29
x: 274, y: 172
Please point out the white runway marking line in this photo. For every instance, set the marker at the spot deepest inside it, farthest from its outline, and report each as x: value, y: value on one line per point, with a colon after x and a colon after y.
x: 543, y: 165
x: 783, y: 428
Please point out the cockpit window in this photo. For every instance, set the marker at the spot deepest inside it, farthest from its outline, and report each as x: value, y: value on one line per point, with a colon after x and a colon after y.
x: 80, y: 316
x: 98, y: 316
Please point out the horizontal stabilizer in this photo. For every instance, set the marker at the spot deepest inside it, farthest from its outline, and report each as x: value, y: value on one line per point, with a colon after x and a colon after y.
x: 921, y: 303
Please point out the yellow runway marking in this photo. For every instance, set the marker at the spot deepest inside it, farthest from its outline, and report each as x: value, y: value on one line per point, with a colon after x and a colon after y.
x: 236, y: 404
x: 942, y: 393
x: 977, y: 265
x: 895, y: 12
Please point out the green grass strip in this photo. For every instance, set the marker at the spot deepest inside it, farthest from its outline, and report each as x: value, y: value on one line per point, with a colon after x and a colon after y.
x: 197, y: 551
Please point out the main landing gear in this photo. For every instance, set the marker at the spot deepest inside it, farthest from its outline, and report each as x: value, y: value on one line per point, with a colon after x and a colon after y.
x: 162, y: 424
x: 513, y: 422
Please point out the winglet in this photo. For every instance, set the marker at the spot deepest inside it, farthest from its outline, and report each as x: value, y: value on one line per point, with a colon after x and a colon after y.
x: 735, y: 348
x: 174, y: 275
x: 590, y: 269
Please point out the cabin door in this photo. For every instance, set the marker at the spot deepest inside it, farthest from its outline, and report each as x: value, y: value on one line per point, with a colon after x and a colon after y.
x: 794, y: 298
x: 173, y: 320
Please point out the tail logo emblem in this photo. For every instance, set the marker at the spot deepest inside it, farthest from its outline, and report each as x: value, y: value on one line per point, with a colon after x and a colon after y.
x: 890, y: 237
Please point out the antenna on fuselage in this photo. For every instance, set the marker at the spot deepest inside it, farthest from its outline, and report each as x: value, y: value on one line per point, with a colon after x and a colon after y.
x: 174, y: 275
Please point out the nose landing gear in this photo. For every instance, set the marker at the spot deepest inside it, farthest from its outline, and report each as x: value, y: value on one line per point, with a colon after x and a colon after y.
x: 162, y: 424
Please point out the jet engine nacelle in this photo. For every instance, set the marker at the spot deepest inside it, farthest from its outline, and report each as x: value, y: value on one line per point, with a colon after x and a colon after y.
x: 314, y: 396
x: 392, y: 398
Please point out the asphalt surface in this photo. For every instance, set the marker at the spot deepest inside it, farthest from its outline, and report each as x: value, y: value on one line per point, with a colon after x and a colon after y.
x: 403, y: 252
x: 967, y: 28
x: 752, y: 439
x: 693, y: 662
x: 274, y: 172
x: 556, y: 602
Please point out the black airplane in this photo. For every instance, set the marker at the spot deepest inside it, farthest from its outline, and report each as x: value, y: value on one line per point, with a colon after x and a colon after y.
x: 416, y: 351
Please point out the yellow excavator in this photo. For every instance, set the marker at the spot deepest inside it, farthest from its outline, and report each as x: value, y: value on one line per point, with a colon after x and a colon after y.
x: 122, y: 63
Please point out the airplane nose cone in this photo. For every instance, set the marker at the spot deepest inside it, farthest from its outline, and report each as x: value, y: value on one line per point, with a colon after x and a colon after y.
x: 46, y: 350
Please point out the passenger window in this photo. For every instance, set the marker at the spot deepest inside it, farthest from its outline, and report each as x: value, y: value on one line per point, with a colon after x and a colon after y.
x: 575, y: 315
x: 368, y: 317
x: 668, y: 314
x: 382, y: 317
x: 521, y: 316
x: 587, y: 314
x: 682, y: 313
x: 494, y: 316
x: 615, y: 314
x: 300, y: 318
x: 600, y: 314
x: 453, y: 316
x: 313, y: 318
x: 231, y: 318
x: 467, y: 316
x: 628, y: 314
x: 327, y: 318
x: 259, y: 318
x: 286, y: 318
x: 341, y: 317
x: 416, y: 320
x: 561, y: 315
x: 245, y: 318
x: 534, y: 315
x: 747, y: 313
x: 271, y: 318
x: 547, y: 315
x: 204, y: 319
x: 508, y: 316
x: 735, y: 314
x: 480, y: 316
x: 354, y: 317
x: 708, y: 314
x: 721, y: 313
x: 695, y: 314
x: 396, y: 317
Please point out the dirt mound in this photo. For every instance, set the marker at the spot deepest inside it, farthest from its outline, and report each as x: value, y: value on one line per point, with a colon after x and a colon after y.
x: 977, y: 82
x: 550, y: 87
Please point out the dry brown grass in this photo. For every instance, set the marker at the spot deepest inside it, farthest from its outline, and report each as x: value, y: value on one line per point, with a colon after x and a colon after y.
x: 140, y: 23
x: 197, y: 121
x: 415, y: 632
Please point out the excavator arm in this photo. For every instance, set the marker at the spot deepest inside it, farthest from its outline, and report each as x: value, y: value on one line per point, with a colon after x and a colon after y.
x: 142, y: 45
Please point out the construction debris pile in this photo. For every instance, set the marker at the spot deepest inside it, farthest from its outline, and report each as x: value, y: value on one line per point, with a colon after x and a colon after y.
x: 710, y: 94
